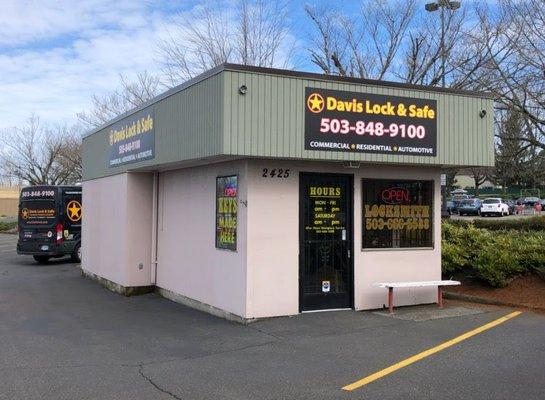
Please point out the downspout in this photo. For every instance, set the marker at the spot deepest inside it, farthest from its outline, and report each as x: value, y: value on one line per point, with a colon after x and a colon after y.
x: 154, y: 229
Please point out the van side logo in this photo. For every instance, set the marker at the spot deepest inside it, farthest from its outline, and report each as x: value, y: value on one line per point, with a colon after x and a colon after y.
x: 73, y: 211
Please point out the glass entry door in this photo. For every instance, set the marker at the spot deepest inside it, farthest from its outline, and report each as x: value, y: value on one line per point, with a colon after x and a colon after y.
x: 325, y: 271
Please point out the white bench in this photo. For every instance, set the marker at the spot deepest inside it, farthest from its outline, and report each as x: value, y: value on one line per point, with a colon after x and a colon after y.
x: 391, y: 285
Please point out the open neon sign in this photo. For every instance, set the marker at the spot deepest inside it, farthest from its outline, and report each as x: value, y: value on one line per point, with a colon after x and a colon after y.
x: 395, y: 195
x: 230, y: 192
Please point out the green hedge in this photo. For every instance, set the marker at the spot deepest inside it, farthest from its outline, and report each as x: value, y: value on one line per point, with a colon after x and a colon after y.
x: 527, y: 224
x: 495, y: 257
x: 6, y: 226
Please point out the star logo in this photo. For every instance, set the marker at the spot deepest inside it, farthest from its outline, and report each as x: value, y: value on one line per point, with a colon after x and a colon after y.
x: 315, y: 103
x: 24, y: 213
x: 73, y: 210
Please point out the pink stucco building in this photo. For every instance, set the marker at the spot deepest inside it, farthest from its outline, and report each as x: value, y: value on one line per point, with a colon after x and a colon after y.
x: 251, y: 192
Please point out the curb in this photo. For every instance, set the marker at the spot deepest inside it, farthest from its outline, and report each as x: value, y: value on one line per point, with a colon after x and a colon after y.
x: 483, y: 300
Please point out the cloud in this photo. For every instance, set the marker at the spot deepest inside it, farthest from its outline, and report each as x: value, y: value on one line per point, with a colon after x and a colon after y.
x: 31, y: 21
x: 54, y: 56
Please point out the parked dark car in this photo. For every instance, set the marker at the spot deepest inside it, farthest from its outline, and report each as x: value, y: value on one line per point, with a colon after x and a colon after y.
x: 530, y: 201
x: 512, y: 206
x: 450, y: 206
x: 470, y: 207
x: 456, y: 200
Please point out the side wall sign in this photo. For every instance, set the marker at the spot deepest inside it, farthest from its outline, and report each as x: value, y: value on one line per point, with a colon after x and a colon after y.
x: 369, y: 123
x: 132, y: 139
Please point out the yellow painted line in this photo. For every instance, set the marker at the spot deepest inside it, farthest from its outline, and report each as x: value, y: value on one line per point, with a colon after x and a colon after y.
x: 429, y: 352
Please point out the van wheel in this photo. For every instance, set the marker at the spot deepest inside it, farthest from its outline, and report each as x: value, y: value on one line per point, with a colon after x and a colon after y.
x: 76, y: 254
x: 41, y: 259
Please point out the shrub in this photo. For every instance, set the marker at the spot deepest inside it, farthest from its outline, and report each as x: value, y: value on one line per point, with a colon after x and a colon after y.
x: 460, y: 245
x: 497, y: 263
x: 517, y: 224
x: 6, y: 226
x: 495, y: 257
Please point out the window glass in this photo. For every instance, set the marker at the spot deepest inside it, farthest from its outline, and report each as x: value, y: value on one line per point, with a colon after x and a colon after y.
x: 226, y: 212
x: 397, y: 213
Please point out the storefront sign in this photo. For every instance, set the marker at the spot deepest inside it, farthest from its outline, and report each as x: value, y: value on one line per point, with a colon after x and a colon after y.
x: 397, y: 213
x: 369, y: 123
x: 226, y: 212
x: 132, y: 139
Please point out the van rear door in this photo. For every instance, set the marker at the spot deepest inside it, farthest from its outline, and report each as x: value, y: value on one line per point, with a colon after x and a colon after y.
x: 38, y: 215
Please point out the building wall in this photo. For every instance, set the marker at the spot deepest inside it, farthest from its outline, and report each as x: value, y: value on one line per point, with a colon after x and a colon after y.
x: 188, y: 261
x: 273, y: 241
x: 9, y: 200
x: 117, y: 228
x: 260, y: 279
x: 9, y: 207
x: 467, y: 181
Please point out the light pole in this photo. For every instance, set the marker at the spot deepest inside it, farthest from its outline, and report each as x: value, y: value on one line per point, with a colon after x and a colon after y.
x: 431, y: 7
x: 449, y: 5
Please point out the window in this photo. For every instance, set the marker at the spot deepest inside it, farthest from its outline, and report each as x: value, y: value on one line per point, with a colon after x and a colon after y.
x: 226, y: 212
x: 397, y: 213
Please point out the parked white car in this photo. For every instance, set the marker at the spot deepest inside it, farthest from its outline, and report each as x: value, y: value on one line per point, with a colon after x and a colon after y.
x: 494, y: 206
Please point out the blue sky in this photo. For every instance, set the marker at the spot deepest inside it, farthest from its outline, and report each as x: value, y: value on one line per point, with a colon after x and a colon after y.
x: 55, y: 54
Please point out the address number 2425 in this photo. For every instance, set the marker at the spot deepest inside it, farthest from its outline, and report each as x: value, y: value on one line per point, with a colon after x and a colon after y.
x: 275, y: 173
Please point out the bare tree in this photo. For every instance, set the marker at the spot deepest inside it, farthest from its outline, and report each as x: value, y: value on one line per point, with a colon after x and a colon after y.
x: 255, y: 32
x: 515, y: 71
x: 37, y: 154
x: 131, y: 94
x: 479, y: 176
x: 397, y: 40
x: 364, y: 46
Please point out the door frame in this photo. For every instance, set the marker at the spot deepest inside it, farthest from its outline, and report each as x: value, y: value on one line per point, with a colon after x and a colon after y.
x: 350, y: 232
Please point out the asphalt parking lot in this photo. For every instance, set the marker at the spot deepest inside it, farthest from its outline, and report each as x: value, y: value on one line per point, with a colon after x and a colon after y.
x: 65, y: 337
